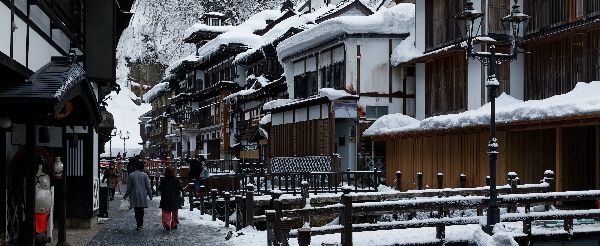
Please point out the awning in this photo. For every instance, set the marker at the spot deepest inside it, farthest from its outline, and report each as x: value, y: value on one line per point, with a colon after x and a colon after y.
x: 60, y: 91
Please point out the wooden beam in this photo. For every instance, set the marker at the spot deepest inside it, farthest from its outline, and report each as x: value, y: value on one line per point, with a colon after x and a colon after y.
x: 597, y: 157
x: 558, y: 162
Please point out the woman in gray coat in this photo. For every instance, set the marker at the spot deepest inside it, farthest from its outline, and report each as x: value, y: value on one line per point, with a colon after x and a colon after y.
x: 138, y: 186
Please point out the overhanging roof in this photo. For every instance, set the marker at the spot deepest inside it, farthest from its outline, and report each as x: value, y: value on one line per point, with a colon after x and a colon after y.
x: 49, y: 90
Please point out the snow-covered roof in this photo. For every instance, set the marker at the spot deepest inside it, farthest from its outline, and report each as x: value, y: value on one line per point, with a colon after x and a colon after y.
x: 200, y: 27
x: 329, y: 93
x: 396, y: 20
x: 260, y: 82
x: 156, y: 91
x: 582, y: 100
x: 296, y: 21
x: 406, y: 51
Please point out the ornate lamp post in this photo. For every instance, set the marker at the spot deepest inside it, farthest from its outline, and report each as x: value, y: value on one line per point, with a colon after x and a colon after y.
x: 470, y: 25
x: 124, y: 138
x: 112, y: 134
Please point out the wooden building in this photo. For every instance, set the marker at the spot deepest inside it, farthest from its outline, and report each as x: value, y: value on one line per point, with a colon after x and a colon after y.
x: 562, y: 39
x: 56, y: 111
x: 341, y: 81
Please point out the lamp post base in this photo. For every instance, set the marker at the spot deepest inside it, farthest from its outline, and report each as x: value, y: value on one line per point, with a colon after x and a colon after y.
x: 493, y: 217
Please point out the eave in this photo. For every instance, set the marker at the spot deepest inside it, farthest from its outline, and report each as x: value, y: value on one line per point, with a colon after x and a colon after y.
x: 549, y: 123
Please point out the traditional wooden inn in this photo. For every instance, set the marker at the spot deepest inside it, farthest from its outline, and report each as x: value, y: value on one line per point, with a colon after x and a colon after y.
x: 54, y: 116
x: 340, y: 78
x: 555, y: 128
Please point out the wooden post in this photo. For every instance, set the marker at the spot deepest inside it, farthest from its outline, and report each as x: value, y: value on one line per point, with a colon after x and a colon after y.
x: 375, y: 179
x: 305, y: 203
x: 303, y: 236
x: 250, y: 205
x: 346, y: 218
x: 549, y: 178
x: 559, y: 164
x: 419, y: 181
x: 398, y: 181
x: 278, y: 206
x: 440, y: 179
x: 568, y: 226
x: 226, y: 196
x: 348, y: 176
x: 286, y: 226
x: 191, y: 192
x: 238, y: 212
x: 213, y: 210
x: 463, y: 181
x: 270, y: 226
x: 527, y: 230
x: 513, y: 190
x: 202, y: 191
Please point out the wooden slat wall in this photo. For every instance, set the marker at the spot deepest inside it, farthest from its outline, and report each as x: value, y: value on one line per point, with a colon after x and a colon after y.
x: 451, y: 155
x: 306, y: 138
x: 498, y: 9
x: 528, y: 153
x: 250, y: 154
x: 446, y: 85
x: 554, y: 67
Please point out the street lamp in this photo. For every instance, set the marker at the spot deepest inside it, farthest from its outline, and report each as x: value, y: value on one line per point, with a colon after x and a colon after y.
x: 124, y: 138
x: 112, y: 134
x: 469, y: 29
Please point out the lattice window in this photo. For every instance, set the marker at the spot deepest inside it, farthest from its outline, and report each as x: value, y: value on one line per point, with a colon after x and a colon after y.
x: 446, y: 85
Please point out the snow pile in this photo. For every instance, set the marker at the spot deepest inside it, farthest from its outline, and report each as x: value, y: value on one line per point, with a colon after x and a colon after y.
x: 396, y: 20
x: 277, y: 103
x: 205, y: 28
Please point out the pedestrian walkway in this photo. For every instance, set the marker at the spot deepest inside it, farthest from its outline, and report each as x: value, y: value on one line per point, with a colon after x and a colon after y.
x: 119, y: 228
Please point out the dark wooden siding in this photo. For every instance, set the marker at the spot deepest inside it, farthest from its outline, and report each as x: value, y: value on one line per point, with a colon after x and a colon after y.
x: 440, y: 24
x: 498, y: 9
x: 529, y: 153
x: 554, y: 67
x: 306, y: 138
x: 446, y: 85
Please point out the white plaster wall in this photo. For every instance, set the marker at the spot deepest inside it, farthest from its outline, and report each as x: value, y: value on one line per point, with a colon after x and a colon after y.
x: 241, y: 79
x: 338, y: 54
x: 420, y: 91
x: 19, y: 42
x: 289, y: 72
x: 517, y: 78
x: 288, y: 117
x: 298, y: 69
x: 5, y: 29
x: 351, y: 64
x: 301, y: 114
x: 96, y: 153
x: 374, y: 65
x: 475, y: 82
x: 420, y: 25
x: 40, y: 19
x: 314, y: 112
x: 325, y: 111
x: 324, y: 60
x: 393, y: 107
x: 277, y: 119
x: 40, y: 51
x: 61, y: 39
x: 397, y: 72
x: 21, y: 5
x: 311, y: 64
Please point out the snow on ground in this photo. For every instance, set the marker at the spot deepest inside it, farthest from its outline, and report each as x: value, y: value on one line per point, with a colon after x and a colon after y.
x: 125, y: 114
x: 503, y: 232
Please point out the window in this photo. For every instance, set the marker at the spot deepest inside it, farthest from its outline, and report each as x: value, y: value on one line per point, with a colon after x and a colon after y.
x: 332, y: 76
x: 446, y: 85
x: 305, y: 85
x: 576, y: 10
x: 215, y: 22
x: 375, y: 112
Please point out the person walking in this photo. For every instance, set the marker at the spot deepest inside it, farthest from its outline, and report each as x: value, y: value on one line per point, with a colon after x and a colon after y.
x: 195, y: 170
x: 170, y: 199
x: 111, y: 176
x: 138, y: 186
